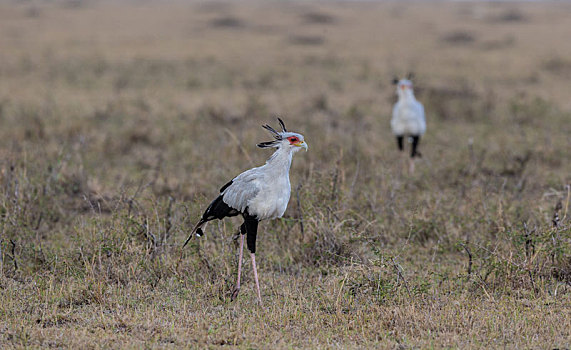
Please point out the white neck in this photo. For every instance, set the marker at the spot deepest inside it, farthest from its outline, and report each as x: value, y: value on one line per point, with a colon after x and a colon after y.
x: 408, y: 94
x: 281, y: 159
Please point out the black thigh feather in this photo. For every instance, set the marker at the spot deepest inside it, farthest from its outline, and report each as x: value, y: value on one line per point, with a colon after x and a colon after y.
x: 400, y: 142
x: 414, y: 152
x: 251, y: 227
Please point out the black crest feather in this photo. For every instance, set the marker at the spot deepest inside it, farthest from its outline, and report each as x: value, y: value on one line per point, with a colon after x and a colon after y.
x: 282, y: 124
x: 267, y: 144
x: 273, y: 131
x: 276, y: 134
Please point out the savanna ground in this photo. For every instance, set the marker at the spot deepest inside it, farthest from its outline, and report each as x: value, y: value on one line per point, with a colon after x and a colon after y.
x: 120, y: 121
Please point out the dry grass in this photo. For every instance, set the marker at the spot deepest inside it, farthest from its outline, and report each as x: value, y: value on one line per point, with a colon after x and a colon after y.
x: 121, y: 121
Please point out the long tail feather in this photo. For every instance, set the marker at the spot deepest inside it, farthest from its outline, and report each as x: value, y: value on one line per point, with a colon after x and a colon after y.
x: 216, y: 210
x: 196, y: 230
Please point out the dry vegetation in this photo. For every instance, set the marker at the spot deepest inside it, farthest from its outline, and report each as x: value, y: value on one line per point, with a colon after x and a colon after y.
x: 119, y: 122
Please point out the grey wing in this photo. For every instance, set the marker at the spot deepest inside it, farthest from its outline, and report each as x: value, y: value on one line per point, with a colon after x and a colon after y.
x: 421, y: 118
x: 241, y: 190
x: 395, y: 111
x: 420, y: 109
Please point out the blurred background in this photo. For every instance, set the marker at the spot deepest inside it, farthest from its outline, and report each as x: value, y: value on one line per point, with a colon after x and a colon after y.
x: 120, y: 120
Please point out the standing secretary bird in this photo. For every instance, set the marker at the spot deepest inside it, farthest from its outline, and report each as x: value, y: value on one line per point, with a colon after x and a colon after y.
x: 408, y: 118
x: 256, y: 194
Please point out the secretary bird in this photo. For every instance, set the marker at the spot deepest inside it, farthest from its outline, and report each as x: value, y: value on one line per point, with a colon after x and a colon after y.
x: 257, y: 194
x: 408, y: 118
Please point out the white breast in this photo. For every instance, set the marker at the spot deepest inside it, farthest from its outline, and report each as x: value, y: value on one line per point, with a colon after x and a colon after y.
x: 408, y: 118
x: 263, y: 191
x: 272, y: 199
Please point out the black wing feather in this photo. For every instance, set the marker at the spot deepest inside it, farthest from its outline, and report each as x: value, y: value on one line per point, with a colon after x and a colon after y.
x: 226, y: 186
x: 216, y: 210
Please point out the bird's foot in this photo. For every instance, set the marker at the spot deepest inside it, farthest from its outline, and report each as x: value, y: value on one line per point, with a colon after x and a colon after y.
x: 235, y: 293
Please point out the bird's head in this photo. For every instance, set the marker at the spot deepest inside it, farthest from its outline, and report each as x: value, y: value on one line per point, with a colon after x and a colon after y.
x: 284, y: 139
x: 404, y: 86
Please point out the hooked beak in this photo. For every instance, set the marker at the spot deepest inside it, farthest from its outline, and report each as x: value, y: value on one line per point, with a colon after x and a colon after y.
x: 302, y: 144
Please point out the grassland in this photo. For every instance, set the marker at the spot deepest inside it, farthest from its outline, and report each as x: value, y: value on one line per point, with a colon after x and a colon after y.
x: 120, y: 121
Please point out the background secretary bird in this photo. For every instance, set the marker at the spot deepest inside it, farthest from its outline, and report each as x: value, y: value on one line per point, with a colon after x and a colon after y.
x: 408, y: 118
x: 257, y: 194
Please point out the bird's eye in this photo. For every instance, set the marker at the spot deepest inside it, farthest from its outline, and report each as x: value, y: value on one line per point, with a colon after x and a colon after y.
x: 293, y: 139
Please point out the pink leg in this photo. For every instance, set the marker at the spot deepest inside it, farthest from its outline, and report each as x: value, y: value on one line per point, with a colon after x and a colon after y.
x: 411, y: 166
x: 256, y: 277
x: 237, y: 288
x: 404, y: 165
